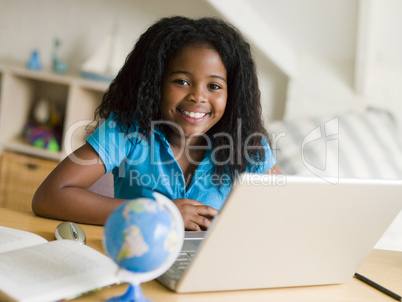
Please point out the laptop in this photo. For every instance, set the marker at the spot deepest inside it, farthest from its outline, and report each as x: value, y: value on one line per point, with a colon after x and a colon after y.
x: 285, y: 231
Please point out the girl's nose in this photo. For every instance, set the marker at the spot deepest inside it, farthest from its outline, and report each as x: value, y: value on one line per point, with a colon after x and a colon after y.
x: 197, y: 95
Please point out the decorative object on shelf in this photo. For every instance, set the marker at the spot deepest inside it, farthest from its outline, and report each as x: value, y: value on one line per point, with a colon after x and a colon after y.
x: 41, y: 112
x: 42, y: 137
x: 43, y: 130
x: 34, y: 62
x: 106, y: 61
x: 58, y: 65
x: 144, y: 237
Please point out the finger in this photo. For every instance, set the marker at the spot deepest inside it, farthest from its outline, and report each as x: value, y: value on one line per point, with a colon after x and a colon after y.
x: 206, y: 211
x: 202, y: 222
x: 192, y: 226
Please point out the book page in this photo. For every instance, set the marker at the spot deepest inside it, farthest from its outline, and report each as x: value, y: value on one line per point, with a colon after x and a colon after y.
x: 53, y: 271
x: 12, y: 239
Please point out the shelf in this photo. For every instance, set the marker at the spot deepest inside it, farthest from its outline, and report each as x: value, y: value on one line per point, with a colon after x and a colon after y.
x: 22, y: 146
x: 49, y: 76
x: 74, y: 97
x: 40, y: 75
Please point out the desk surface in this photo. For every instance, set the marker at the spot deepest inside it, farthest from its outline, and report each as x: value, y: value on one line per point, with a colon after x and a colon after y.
x: 384, y: 267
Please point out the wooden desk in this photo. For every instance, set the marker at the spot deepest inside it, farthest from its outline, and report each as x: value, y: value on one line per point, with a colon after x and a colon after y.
x: 384, y: 267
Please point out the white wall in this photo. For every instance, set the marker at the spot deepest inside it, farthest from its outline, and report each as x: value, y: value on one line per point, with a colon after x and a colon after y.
x: 331, y: 38
x: 385, y: 81
x: 315, y: 27
x: 81, y: 25
x: 323, y: 35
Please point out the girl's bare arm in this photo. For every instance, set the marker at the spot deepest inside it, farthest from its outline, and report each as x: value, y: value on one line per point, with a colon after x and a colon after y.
x: 64, y: 195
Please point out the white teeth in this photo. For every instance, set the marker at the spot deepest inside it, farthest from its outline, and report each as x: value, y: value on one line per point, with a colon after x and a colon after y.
x: 194, y: 114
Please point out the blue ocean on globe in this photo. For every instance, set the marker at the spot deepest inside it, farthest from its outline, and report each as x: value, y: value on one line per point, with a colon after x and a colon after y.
x: 140, y: 235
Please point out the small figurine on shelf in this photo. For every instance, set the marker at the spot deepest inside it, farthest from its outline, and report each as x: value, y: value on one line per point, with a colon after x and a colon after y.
x: 58, y: 65
x: 106, y: 61
x: 34, y: 62
x: 43, y: 130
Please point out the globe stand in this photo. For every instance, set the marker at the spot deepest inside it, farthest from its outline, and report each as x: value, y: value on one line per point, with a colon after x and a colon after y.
x: 133, y: 294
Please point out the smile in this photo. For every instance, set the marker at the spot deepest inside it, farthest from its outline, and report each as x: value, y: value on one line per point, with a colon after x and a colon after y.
x: 193, y: 114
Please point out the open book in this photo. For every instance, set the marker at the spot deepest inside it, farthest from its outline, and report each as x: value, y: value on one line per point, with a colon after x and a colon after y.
x: 33, y: 269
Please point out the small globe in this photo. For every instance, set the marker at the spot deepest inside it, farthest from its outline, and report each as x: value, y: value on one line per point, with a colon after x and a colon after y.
x: 144, y: 237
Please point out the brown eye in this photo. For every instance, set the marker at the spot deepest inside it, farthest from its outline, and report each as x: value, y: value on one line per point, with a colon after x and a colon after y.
x: 214, y: 87
x: 181, y: 82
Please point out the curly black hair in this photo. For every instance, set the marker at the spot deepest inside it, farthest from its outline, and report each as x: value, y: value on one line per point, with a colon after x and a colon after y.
x: 135, y: 94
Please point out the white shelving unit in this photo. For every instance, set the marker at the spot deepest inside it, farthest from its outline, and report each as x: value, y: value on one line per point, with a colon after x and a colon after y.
x: 20, y: 88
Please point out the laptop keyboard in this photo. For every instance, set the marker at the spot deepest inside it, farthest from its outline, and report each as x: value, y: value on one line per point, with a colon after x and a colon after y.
x: 179, y: 266
x: 190, y: 246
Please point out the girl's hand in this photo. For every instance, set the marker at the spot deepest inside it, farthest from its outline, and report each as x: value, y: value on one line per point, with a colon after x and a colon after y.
x: 196, y: 215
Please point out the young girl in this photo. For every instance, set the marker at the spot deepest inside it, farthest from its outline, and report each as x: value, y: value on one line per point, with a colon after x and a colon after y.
x: 182, y: 117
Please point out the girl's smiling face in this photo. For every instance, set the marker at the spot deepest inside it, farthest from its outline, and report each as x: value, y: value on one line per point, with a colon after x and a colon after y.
x: 194, y: 91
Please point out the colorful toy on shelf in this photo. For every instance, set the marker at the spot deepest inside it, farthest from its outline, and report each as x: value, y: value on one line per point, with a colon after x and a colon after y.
x: 58, y: 65
x: 43, y: 130
x: 34, y: 62
x: 42, y: 137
